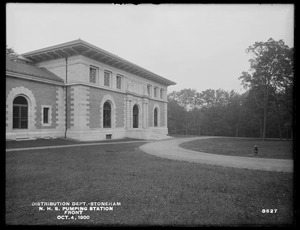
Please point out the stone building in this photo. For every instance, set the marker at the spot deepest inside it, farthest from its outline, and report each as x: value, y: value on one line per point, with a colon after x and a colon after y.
x: 80, y: 91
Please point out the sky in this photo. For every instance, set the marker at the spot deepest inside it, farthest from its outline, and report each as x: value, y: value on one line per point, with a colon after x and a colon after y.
x: 198, y: 46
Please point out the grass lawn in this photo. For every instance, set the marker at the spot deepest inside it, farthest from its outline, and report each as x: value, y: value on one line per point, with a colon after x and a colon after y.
x: 152, y: 191
x: 242, y: 147
x: 56, y: 142
x: 181, y: 135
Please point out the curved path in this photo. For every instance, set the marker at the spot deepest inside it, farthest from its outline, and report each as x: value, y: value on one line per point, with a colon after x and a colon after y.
x: 170, y: 149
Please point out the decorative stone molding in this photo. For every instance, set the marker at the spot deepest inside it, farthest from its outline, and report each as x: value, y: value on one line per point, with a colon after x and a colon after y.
x: 140, y: 107
x: 20, y: 91
x: 166, y: 115
x: 158, y: 115
x: 79, y: 107
x: 125, y: 112
x: 110, y: 99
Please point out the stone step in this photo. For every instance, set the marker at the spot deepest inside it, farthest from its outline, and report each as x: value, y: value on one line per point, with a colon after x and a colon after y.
x: 23, y: 136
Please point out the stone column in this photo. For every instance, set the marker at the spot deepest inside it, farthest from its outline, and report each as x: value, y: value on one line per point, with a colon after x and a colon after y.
x: 145, y: 110
x: 141, y: 113
x: 166, y: 115
x: 144, y: 115
x: 128, y: 112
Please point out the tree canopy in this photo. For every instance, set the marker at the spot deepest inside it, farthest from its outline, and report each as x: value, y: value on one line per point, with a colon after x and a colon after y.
x: 10, y: 53
x: 264, y: 110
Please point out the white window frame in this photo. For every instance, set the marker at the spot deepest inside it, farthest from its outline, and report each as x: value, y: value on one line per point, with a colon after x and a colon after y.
x: 97, y: 74
x: 150, y: 90
x: 161, y: 91
x: 110, y: 79
x: 155, y: 93
x: 110, y: 99
x: 121, y: 77
x: 49, y: 115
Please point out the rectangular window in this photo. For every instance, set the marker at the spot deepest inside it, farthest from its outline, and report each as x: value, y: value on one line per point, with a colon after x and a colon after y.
x: 155, y: 91
x: 119, y: 82
x: 161, y: 93
x: 149, y: 90
x: 107, y: 78
x: 93, y: 75
x: 46, y: 115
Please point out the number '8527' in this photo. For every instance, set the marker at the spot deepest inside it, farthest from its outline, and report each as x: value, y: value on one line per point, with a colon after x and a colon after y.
x: 267, y: 210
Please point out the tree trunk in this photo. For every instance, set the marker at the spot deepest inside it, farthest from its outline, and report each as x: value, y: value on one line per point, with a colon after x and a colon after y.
x: 265, y: 112
x: 291, y: 127
x: 185, y: 123
x: 264, y: 124
x: 259, y: 118
x: 237, y: 129
x: 279, y: 127
x: 278, y: 117
x: 260, y: 129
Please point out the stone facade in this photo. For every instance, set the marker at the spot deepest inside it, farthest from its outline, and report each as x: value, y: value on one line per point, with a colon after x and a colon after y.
x: 76, y: 106
x: 38, y: 95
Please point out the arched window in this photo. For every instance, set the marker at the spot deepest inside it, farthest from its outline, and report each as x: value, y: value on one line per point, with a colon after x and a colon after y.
x: 107, y: 115
x: 155, y: 117
x: 135, y: 116
x: 20, y: 113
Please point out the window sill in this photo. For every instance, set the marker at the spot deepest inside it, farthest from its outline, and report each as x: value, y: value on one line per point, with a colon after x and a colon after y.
x: 46, y: 125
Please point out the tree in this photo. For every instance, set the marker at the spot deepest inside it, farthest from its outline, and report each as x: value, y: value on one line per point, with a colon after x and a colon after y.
x: 189, y: 100
x: 210, y: 112
x: 175, y: 115
x: 10, y: 53
x: 271, y: 73
x: 233, y: 112
x: 214, y: 106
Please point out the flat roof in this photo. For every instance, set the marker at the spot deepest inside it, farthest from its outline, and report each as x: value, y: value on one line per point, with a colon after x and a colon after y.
x: 80, y: 47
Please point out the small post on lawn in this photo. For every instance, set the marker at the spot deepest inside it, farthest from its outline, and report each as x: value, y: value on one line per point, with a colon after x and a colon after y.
x: 255, y: 150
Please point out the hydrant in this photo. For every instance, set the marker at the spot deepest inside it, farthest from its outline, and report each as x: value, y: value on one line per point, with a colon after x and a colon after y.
x: 255, y: 150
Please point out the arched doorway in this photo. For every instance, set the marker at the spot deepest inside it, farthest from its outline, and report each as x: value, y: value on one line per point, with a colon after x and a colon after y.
x: 135, y: 116
x: 20, y: 113
x: 155, y: 117
x: 107, y: 115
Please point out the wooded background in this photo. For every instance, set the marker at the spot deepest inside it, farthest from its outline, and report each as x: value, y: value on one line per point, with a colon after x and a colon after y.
x: 265, y: 110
